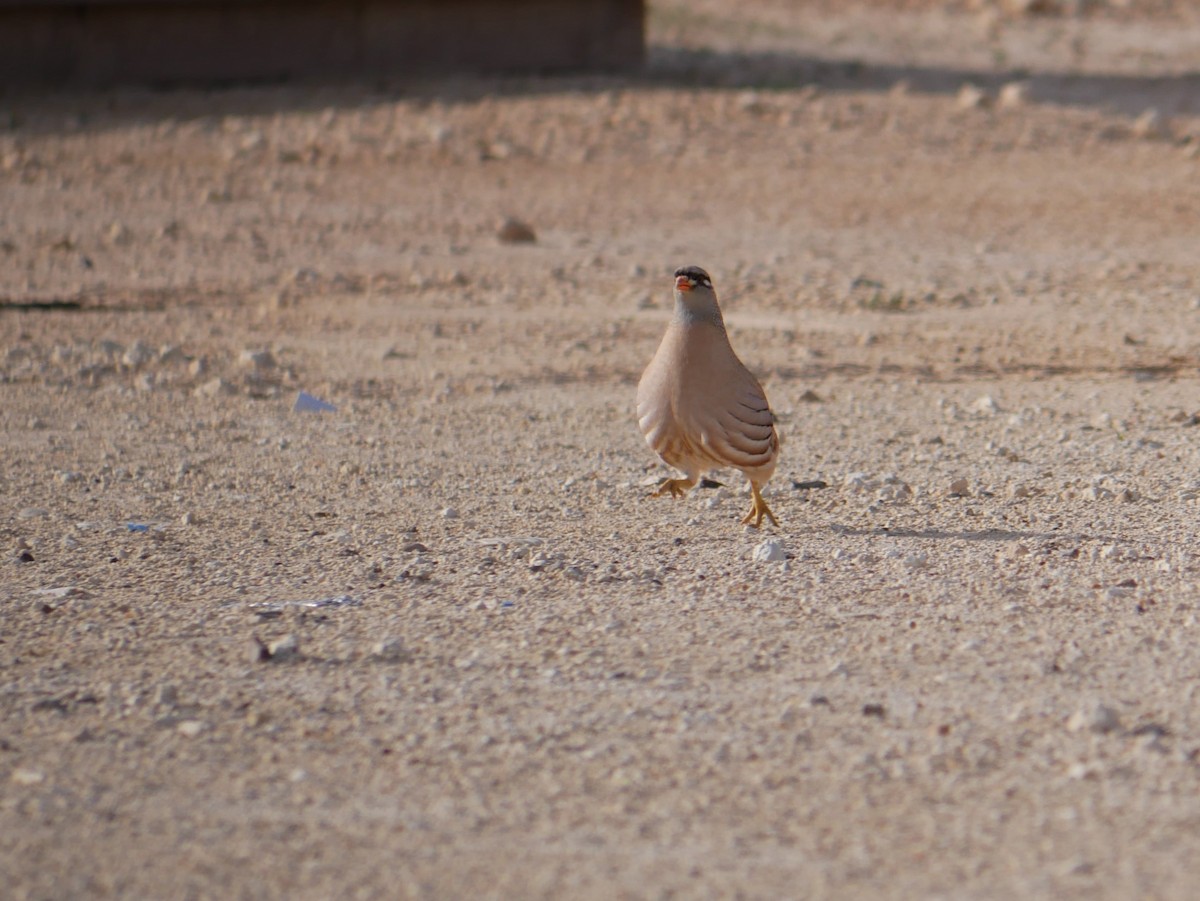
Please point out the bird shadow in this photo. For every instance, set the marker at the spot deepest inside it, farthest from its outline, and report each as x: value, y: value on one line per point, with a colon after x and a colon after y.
x: 998, y: 535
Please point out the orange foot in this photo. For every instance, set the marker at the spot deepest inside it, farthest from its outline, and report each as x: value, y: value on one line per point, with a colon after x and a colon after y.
x: 674, y: 487
x: 760, y: 509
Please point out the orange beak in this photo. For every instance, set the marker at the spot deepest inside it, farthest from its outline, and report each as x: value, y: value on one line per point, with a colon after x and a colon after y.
x: 683, y: 284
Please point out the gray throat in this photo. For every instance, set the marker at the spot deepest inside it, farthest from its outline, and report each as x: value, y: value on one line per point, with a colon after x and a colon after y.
x: 694, y: 313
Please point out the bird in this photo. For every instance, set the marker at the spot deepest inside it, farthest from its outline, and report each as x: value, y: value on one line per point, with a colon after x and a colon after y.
x: 699, y: 407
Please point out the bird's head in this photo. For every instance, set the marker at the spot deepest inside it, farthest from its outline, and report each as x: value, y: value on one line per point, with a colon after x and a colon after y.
x: 695, y: 299
x: 692, y: 278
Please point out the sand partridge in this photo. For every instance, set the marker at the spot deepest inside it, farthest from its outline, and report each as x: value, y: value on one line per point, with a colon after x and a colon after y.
x: 698, y: 406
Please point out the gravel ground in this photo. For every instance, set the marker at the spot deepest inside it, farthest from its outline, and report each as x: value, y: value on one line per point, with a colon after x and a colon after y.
x: 439, y: 642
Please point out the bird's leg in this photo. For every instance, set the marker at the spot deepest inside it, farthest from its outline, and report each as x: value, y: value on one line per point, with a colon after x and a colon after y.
x: 674, y: 487
x: 760, y: 509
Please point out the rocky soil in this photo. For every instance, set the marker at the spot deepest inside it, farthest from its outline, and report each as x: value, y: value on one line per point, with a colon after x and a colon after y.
x: 438, y: 642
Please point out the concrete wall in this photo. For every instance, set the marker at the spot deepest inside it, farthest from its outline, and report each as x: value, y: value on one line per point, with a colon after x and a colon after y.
x: 163, y: 42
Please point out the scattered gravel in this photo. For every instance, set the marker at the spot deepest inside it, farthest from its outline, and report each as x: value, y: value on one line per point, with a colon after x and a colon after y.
x: 401, y: 454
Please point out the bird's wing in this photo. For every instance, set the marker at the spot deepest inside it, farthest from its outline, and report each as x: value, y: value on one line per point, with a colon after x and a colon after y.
x: 742, y: 426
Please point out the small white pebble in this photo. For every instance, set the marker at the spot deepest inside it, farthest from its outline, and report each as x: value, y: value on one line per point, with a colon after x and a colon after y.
x: 284, y: 648
x: 1099, y: 718
x: 1151, y: 125
x: 389, y: 649
x: 770, y: 551
x: 986, y: 405
x: 257, y: 359
x: 1013, y: 94
x: 1081, y: 770
x: 971, y: 97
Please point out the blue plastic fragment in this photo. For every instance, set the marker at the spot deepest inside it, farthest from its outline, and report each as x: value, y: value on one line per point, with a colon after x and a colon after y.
x: 306, y: 403
x: 137, y: 527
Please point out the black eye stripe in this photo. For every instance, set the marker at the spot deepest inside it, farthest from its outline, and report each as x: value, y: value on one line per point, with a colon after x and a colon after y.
x: 694, y: 274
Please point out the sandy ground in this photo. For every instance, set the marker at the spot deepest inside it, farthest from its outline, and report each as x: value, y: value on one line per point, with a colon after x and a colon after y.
x: 440, y: 643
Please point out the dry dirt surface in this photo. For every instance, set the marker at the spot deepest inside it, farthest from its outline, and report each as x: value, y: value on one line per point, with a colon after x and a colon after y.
x: 439, y: 642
